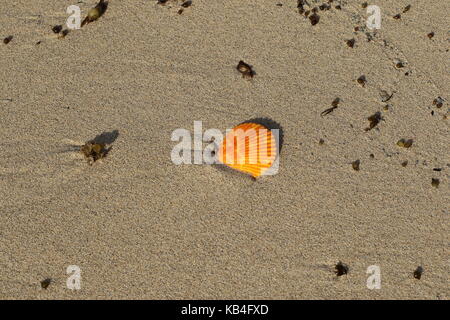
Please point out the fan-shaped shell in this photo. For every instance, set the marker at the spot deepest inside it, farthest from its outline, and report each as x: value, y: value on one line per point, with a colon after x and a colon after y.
x: 250, y: 148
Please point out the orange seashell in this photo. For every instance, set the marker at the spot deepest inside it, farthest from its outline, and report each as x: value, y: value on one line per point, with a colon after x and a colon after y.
x: 250, y: 148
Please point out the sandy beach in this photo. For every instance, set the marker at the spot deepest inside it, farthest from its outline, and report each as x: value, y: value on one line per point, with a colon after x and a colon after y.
x: 140, y: 227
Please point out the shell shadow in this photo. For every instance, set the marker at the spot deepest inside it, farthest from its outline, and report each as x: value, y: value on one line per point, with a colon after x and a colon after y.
x: 106, y: 138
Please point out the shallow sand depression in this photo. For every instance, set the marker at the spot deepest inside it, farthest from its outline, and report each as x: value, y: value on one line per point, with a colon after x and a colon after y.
x: 139, y: 226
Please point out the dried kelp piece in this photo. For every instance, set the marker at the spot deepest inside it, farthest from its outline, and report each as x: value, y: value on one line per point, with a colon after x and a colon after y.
x: 430, y: 35
x: 46, y: 282
x: 405, y: 143
x: 300, y: 6
x: 374, y: 120
x: 341, y: 269
x: 418, y: 273
x: 57, y: 29
x: 397, y: 16
x: 94, y: 152
x: 63, y: 34
x: 355, y: 165
x: 96, y: 149
x: 438, y: 102
x: 334, y: 105
x: 327, y: 111
x: 335, y: 102
x: 7, y: 39
x: 245, y: 69
x: 385, y: 96
x: 435, y: 182
x: 362, y: 80
x: 162, y: 2
x: 406, y: 9
x: 399, y: 64
x: 350, y: 43
x: 96, y: 12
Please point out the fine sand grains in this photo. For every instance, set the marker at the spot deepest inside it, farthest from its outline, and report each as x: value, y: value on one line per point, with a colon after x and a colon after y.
x: 364, y: 171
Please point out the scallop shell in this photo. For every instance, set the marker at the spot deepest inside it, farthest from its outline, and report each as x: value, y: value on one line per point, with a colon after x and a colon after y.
x: 250, y: 148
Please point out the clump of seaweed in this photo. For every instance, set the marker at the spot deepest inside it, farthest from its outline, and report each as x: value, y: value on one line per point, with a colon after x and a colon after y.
x: 96, y: 12
x: 57, y: 29
x: 334, y: 105
x: 96, y: 148
x: 7, y: 39
x: 94, y: 151
x: 405, y: 143
x: 245, y: 69
x: 362, y: 80
x: 46, y: 283
x: 355, y: 165
x: 438, y: 102
x: 350, y: 43
x: 374, y: 120
x: 341, y: 269
x: 435, y: 182
x: 418, y: 273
